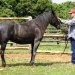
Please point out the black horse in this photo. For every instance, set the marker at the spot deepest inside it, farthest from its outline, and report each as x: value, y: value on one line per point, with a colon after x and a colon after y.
x: 30, y: 32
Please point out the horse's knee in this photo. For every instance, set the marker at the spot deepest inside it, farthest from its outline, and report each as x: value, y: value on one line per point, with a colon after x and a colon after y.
x: 0, y: 52
x: 3, y: 47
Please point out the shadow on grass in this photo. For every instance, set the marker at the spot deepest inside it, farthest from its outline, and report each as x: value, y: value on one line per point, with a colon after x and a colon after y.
x: 36, y: 64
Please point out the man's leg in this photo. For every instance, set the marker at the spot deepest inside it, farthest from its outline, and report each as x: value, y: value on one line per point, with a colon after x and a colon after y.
x: 73, y: 50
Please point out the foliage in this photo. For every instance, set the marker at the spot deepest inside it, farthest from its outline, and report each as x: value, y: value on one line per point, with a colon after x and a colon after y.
x: 33, y: 8
x: 63, y: 9
x: 24, y: 7
x: 5, y: 12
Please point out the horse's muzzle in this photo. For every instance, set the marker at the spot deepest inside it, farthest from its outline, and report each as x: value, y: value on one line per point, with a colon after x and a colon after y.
x: 58, y: 27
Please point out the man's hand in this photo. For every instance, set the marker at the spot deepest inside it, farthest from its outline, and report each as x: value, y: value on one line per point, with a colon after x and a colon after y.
x: 59, y: 19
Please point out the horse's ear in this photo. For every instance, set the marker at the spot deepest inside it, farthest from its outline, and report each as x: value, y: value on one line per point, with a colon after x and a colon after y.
x: 52, y: 11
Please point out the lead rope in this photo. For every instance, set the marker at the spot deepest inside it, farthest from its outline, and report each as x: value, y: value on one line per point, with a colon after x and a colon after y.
x: 66, y: 43
x: 66, y: 39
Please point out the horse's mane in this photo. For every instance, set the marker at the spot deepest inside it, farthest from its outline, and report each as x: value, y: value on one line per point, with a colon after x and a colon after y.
x: 43, y: 16
x: 42, y: 19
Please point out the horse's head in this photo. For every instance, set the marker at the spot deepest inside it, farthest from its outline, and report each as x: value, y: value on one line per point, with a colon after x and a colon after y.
x: 54, y: 20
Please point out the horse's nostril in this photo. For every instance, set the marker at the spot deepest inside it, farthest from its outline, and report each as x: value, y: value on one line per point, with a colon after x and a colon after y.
x: 58, y: 27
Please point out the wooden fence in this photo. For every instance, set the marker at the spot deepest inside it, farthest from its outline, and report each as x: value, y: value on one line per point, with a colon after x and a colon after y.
x: 46, y: 35
x: 28, y: 46
x: 16, y: 18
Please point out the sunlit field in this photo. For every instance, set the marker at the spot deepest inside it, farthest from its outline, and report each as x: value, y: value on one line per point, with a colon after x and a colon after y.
x: 21, y: 66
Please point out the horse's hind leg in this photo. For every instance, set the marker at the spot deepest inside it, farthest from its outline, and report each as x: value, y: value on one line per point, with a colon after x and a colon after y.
x: 3, y: 46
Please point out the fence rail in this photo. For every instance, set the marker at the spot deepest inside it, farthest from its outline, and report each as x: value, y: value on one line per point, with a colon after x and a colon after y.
x: 28, y: 47
x: 54, y: 35
x: 16, y: 18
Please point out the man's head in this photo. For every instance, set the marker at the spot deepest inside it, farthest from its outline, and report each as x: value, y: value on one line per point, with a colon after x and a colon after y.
x: 72, y: 12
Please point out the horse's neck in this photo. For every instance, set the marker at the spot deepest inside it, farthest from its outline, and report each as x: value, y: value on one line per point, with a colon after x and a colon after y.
x: 42, y: 24
x: 45, y: 23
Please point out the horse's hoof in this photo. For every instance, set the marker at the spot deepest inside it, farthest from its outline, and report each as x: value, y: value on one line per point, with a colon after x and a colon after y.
x: 32, y: 63
x: 3, y: 65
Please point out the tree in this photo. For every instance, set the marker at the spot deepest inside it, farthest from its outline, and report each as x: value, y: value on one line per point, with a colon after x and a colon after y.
x: 63, y: 9
x: 4, y: 10
x: 24, y: 7
x: 32, y: 7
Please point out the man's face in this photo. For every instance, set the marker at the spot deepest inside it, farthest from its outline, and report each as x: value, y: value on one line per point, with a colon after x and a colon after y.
x: 72, y: 14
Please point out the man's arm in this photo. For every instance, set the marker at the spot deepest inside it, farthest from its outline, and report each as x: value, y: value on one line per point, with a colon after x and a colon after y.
x: 68, y: 22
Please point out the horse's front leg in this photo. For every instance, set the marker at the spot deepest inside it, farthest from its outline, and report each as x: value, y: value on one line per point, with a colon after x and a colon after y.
x: 3, y: 45
x: 33, y: 51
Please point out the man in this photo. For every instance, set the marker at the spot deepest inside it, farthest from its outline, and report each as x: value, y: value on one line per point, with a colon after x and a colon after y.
x: 71, y: 32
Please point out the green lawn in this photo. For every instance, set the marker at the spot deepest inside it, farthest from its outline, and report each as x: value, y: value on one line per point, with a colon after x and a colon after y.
x: 55, y: 47
x: 18, y: 66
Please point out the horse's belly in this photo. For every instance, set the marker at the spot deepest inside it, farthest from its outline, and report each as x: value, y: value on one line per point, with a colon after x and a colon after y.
x: 22, y: 40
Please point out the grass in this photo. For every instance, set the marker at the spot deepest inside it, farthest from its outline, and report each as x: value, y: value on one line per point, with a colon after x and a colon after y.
x: 17, y: 51
x: 21, y: 66
x: 56, y: 47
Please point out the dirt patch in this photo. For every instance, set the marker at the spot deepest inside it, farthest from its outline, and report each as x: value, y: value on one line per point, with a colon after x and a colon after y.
x: 51, y: 57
